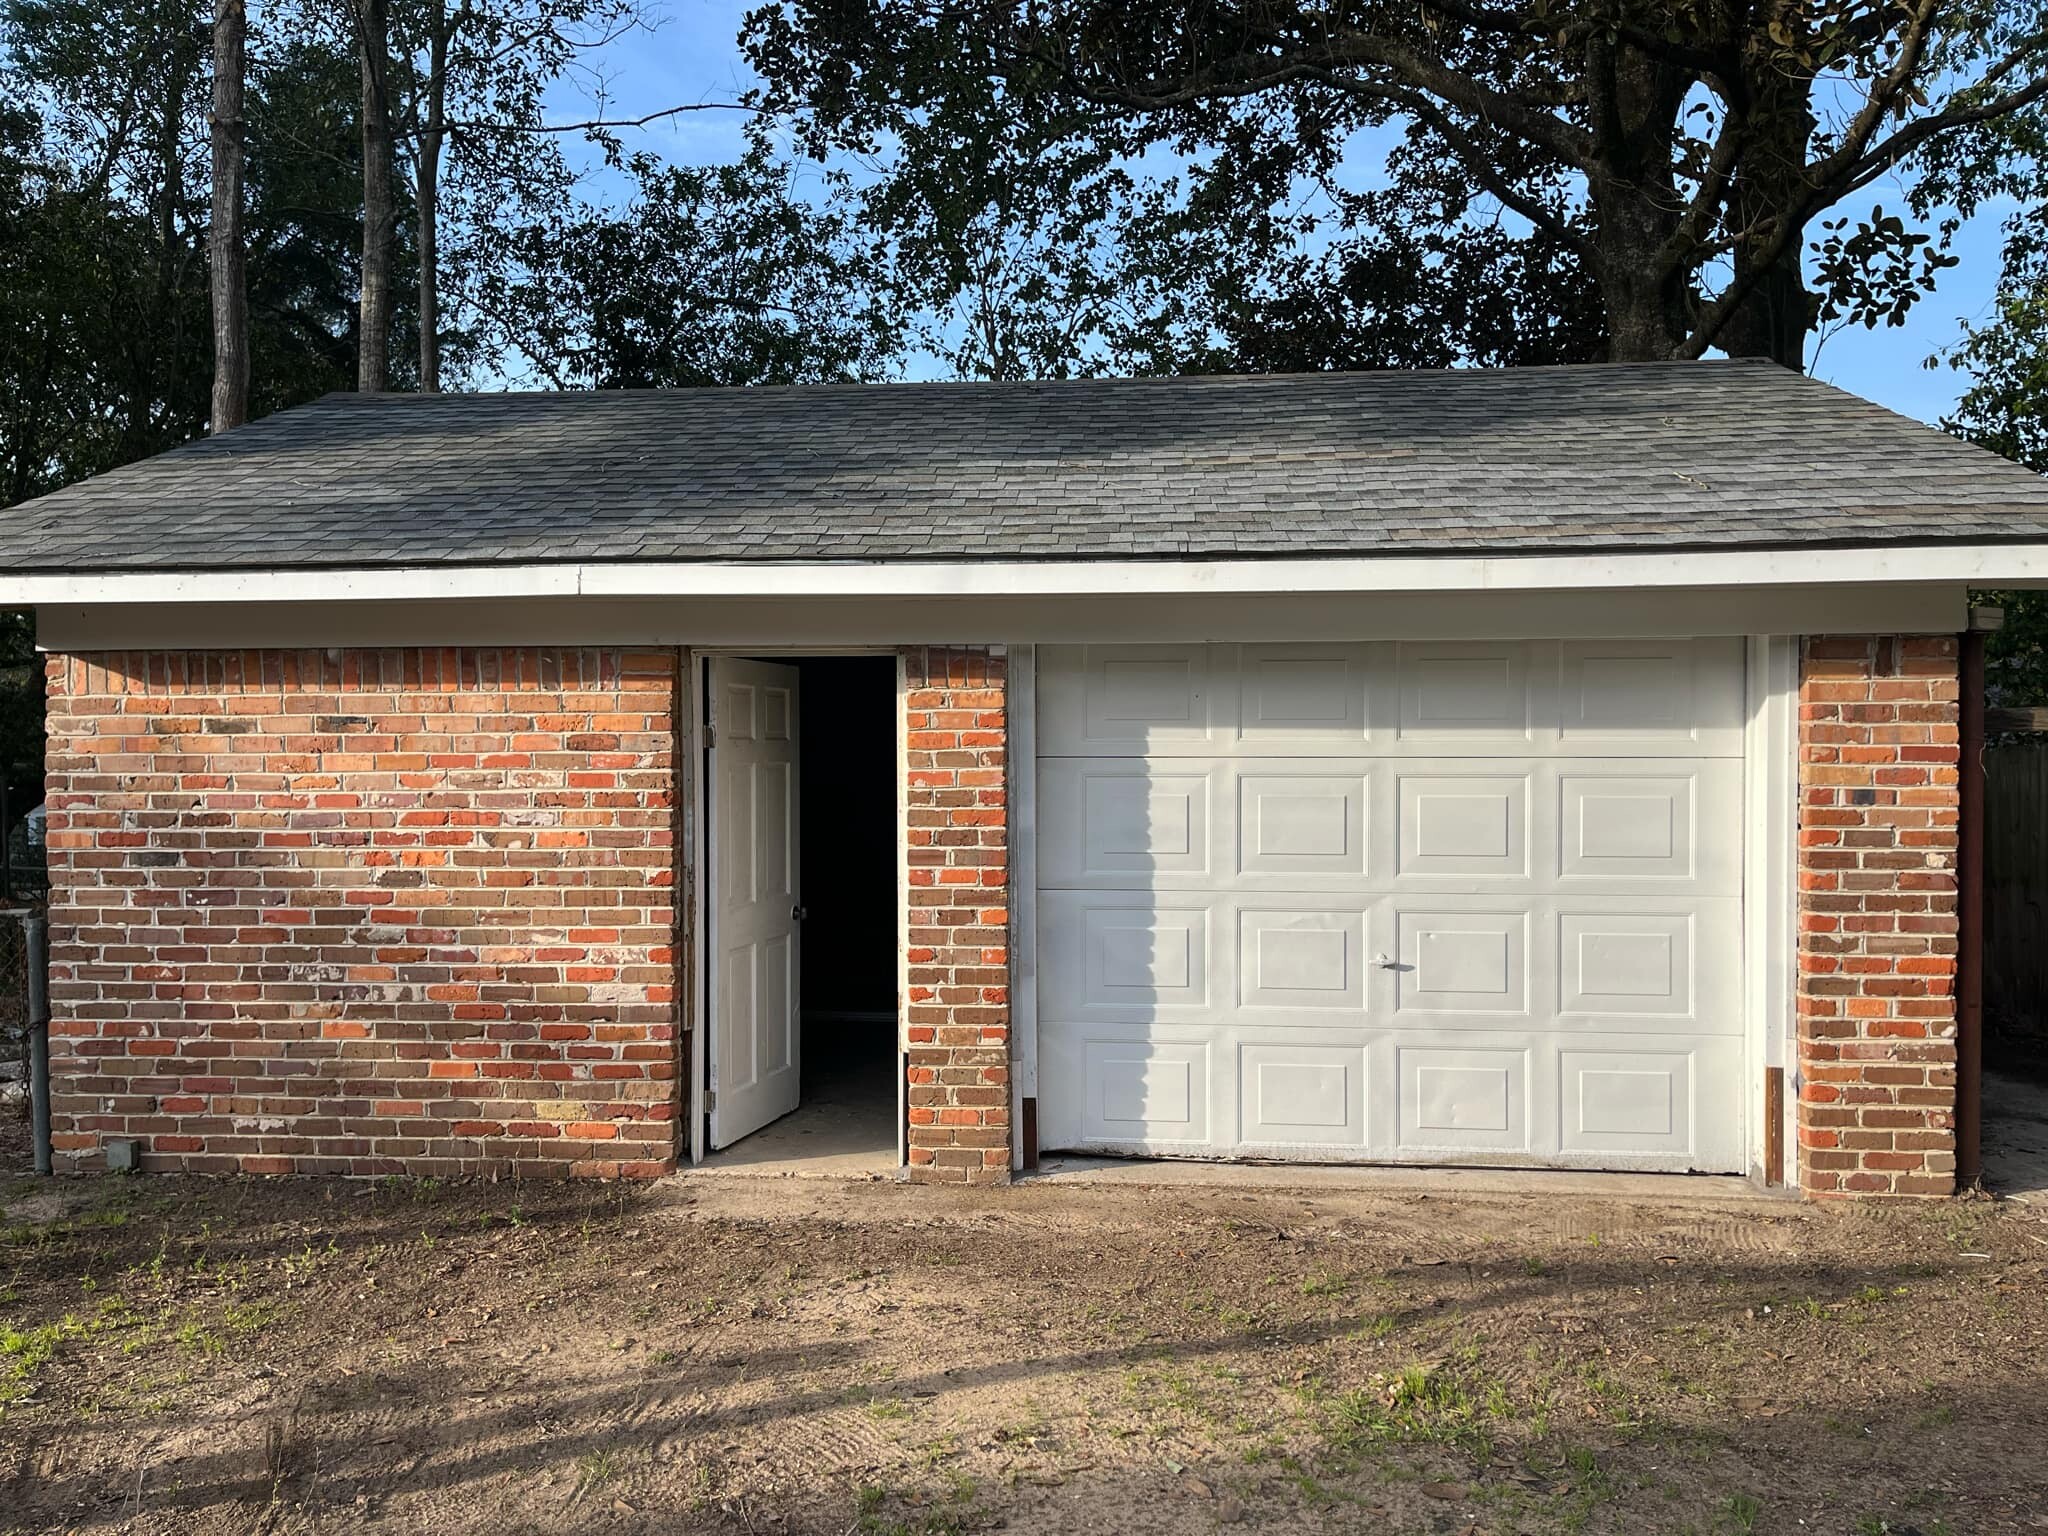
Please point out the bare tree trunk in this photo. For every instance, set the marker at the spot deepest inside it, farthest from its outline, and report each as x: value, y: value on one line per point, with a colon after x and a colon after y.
x: 1778, y: 311
x: 226, y: 253
x: 373, y: 340
x: 429, y: 198
x: 1633, y: 100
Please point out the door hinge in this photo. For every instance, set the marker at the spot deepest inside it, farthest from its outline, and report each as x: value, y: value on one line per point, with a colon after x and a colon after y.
x: 710, y: 1100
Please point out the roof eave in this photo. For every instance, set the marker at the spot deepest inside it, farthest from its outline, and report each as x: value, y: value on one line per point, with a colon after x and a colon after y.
x: 2001, y: 564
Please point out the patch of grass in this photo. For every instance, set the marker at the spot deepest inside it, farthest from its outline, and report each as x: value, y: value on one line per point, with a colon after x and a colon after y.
x: 887, y: 1408
x: 247, y: 1317
x: 199, y: 1339
x: 1738, y: 1514
x: 23, y: 1352
x: 1590, y: 1487
x: 1324, y: 1284
x: 872, y: 1516
x: 597, y: 1469
x: 1421, y: 1406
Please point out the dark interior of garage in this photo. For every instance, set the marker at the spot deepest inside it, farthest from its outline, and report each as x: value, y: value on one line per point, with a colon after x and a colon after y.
x: 848, y: 879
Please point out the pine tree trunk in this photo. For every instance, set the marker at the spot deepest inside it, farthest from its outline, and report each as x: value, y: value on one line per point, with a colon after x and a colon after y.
x: 227, y: 254
x: 373, y: 341
x: 429, y: 198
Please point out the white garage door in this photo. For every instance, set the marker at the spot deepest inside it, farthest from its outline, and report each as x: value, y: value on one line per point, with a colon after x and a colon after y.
x: 1473, y: 902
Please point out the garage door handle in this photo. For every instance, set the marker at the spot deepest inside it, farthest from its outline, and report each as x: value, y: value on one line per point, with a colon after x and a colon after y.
x: 1385, y: 962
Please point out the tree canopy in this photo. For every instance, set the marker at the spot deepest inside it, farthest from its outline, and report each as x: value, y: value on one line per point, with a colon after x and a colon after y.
x: 1654, y: 168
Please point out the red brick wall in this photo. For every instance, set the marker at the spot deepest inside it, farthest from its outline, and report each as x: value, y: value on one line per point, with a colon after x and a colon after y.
x: 1877, y: 915
x: 957, y: 821
x: 364, y: 911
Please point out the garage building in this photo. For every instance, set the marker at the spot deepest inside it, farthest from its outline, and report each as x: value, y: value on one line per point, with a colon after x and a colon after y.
x: 1554, y: 768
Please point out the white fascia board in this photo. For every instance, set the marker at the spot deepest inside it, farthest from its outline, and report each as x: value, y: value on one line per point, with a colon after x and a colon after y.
x: 1975, y: 564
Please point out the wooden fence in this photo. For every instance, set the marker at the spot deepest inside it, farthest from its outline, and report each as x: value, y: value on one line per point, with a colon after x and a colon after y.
x: 2016, y: 897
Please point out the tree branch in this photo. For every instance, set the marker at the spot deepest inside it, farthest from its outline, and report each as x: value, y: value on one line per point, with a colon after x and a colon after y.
x: 1855, y: 164
x: 1245, y: 75
x: 596, y: 123
x: 1472, y: 156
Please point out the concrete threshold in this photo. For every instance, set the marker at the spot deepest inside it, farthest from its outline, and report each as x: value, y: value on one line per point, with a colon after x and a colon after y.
x: 1353, y: 1178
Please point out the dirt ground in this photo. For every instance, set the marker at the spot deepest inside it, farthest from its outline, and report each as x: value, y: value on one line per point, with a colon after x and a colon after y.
x: 723, y: 1354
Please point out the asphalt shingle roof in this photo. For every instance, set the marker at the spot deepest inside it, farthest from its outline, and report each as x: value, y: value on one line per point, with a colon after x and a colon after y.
x: 1645, y: 457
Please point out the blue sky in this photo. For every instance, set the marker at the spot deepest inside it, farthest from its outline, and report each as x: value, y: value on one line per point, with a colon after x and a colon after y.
x: 692, y: 56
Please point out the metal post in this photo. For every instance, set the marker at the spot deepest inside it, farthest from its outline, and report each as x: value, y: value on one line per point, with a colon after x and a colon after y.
x: 38, y: 937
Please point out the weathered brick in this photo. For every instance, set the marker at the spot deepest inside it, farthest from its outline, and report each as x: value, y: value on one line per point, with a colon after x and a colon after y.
x: 365, y: 911
x: 957, y: 1014
x: 1876, y: 876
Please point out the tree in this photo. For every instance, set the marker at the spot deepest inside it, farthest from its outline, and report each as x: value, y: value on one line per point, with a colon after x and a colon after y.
x: 105, y: 330
x: 2006, y: 410
x: 227, y: 256
x: 1670, y: 159
x: 710, y: 275
x: 433, y: 135
x: 2006, y: 406
x: 111, y: 356
x: 471, y: 87
x: 372, y: 22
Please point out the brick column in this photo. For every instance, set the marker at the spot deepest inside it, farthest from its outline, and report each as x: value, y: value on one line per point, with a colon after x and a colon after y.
x: 956, y: 819
x: 1877, y: 915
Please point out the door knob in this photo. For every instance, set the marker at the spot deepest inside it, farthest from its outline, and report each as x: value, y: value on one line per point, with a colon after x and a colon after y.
x: 798, y: 914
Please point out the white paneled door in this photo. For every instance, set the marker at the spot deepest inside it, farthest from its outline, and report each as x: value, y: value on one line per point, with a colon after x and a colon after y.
x: 755, y: 1066
x: 1393, y: 903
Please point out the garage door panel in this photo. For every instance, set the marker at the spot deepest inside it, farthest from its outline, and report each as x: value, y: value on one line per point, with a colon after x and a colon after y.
x: 1461, y: 824
x: 1298, y: 824
x: 1307, y: 698
x: 1142, y: 958
x: 1631, y: 1102
x: 1119, y: 822
x: 1149, y: 1092
x: 1298, y: 1095
x: 1112, y: 700
x: 1466, y: 694
x: 1627, y: 964
x: 1461, y: 961
x: 1464, y: 1100
x: 1635, y: 828
x: 1304, y: 961
x: 1613, y: 698
x: 1678, y: 698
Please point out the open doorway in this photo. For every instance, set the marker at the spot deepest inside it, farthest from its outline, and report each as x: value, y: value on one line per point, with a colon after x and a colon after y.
x: 802, y: 958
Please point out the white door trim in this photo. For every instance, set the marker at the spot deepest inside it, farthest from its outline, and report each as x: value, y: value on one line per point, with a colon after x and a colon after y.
x: 902, y: 911
x: 1020, y: 703
x: 697, y: 848
x: 1769, y: 904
